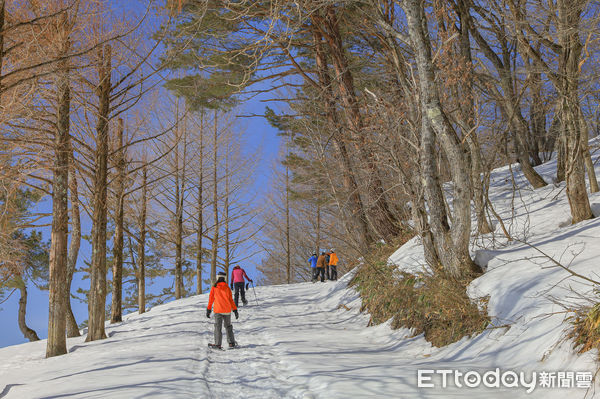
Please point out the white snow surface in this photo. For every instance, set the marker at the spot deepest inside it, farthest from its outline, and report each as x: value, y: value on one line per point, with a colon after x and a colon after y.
x: 311, y: 340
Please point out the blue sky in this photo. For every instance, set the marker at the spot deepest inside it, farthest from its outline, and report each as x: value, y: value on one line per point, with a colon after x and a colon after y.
x: 257, y: 132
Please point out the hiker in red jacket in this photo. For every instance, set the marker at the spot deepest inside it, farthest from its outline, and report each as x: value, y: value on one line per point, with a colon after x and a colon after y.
x: 220, y: 296
x: 237, y: 280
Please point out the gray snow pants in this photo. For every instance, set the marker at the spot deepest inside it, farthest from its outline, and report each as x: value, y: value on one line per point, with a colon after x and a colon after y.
x: 219, y: 318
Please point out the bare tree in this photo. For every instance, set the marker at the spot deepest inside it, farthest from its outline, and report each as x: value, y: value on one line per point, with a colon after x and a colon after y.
x: 117, y: 286
x: 566, y: 19
x: 452, y: 241
x: 97, y: 295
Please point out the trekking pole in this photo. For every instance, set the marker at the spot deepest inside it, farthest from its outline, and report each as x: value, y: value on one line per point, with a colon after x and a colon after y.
x: 253, y: 290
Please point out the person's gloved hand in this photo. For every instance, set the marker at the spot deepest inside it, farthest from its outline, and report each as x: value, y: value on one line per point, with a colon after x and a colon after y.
x: 237, y: 315
x: 231, y: 287
x: 208, y: 313
x: 251, y: 281
x: 247, y: 285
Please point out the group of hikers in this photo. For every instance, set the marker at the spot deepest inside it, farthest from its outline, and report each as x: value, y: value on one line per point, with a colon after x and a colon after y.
x: 222, y: 302
x: 324, y: 266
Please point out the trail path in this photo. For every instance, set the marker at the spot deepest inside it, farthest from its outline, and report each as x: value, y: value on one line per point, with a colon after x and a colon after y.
x: 164, y: 353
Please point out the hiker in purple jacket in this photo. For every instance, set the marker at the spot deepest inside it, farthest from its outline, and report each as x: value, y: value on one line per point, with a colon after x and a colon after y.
x: 237, y: 280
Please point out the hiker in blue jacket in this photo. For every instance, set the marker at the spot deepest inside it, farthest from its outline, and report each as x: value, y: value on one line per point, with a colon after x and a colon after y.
x: 313, y: 267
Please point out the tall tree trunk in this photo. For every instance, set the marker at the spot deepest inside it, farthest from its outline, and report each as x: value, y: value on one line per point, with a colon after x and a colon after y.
x: 384, y: 221
x: 521, y: 132
x: 412, y: 180
x: 318, y: 231
x: 288, y: 266
x: 537, y: 111
x: 117, y: 269
x: 97, y: 294
x: 30, y: 334
x: 226, y: 211
x: 452, y: 243
x: 559, y: 146
x: 357, y: 208
x: 589, y: 164
x: 468, y: 114
x: 569, y: 15
x: 58, y: 284
x: 200, y: 213
x: 141, y: 258
x: 72, y: 327
x: 421, y: 224
x: 508, y: 100
x: 215, y: 239
x: 179, y: 198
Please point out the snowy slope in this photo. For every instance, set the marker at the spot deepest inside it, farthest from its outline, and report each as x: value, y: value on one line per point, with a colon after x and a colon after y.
x: 310, y: 340
x: 294, y: 344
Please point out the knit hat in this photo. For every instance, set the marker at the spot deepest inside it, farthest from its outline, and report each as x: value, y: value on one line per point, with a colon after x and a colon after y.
x: 221, y: 276
x: 332, y: 250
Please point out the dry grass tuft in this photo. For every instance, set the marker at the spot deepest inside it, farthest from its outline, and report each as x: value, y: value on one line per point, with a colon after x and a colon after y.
x: 435, y: 305
x: 586, y: 328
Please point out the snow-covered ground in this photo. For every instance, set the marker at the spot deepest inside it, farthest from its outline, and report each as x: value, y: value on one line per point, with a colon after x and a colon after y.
x: 311, y: 341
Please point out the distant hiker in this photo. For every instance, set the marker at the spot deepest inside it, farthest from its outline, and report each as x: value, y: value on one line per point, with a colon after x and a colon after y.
x: 327, y: 265
x: 313, y: 267
x: 220, y: 296
x: 321, y: 267
x: 237, y: 280
x: 333, y: 261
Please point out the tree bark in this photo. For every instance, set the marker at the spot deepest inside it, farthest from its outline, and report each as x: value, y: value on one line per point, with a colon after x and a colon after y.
x: 357, y: 208
x: 58, y: 284
x: 179, y: 198
x: 384, y: 221
x: 141, y: 258
x: 422, y: 227
x: 215, y: 238
x: 28, y: 333
x: 288, y: 266
x: 589, y: 164
x: 538, y: 140
x: 569, y: 15
x: 226, y: 211
x: 97, y: 294
x: 318, y: 232
x: 117, y: 269
x: 200, y: 213
x: 452, y: 243
x: 72, y: 327
x: 483, y: 226
x: 559, y: 146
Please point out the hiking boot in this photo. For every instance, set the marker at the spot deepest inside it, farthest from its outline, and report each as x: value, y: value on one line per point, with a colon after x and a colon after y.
x: 215, y: 346
x: 245, y: 303
x: 232, y: 345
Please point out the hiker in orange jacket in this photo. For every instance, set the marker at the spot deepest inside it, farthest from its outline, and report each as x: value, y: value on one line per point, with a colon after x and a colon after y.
x: 220, y: 297
x: 333, y: 261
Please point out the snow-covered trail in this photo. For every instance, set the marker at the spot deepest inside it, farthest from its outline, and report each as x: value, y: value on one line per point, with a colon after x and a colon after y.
x: 301, y: 341
x: 311, y: 341
x: 288, y: 345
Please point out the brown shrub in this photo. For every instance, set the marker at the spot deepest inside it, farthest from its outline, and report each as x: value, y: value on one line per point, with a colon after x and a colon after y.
x: 435, y: 305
